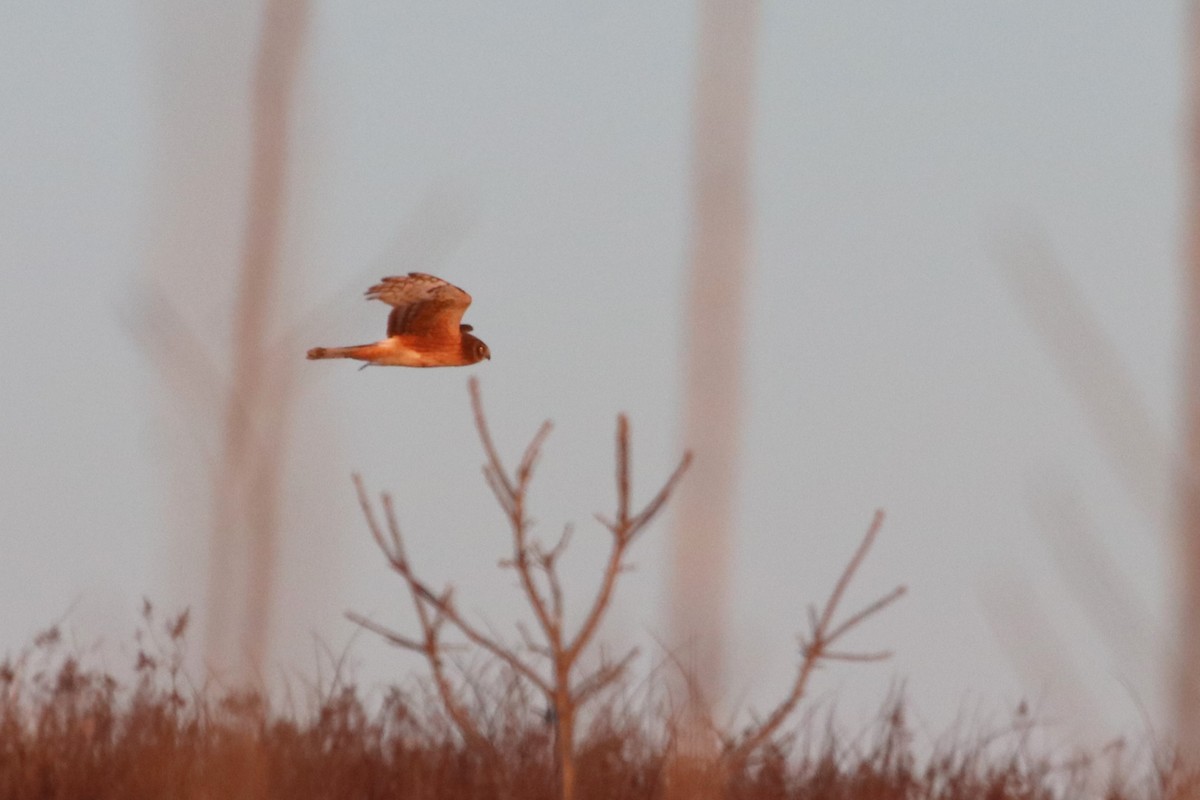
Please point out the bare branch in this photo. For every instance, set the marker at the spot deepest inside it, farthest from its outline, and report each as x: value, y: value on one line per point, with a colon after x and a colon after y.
x: 603, y: 677
x: 393, y: 527
x: 443, y: 604
x: 601, y: 600
x: 485, y: 437
x: 848, y: 573
x: 623, y: 490
x: 652, y: 508
x: 556, y: 601
x: 532, y: 453
x: 460, y: 716
x: 499, y: 486
x: 479, y: 638
x: 512, y: 499
x: 387, y: 633
x: 815, y: 649
x: 530, y: 644
x: 623, y: 532
x: 549, y: 622
x: 369, y: 514
x: 547, y: 562
x: 880, y: 655
x: 870, y: 610
x: 422, y: 598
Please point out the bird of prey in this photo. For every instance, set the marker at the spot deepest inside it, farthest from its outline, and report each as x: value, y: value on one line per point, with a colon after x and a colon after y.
x: 424, y: 329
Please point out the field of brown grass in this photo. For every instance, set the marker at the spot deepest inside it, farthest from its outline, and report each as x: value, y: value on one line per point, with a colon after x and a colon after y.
x: 70, y: 729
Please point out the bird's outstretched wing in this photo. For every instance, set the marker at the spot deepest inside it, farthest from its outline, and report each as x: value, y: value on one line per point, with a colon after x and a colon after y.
x: 424, y: 305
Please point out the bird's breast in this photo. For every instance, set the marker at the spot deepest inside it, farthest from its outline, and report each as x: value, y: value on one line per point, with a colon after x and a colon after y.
x: 419, y: 351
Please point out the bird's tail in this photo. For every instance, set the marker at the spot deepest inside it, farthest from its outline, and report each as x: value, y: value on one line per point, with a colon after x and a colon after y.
x: 357, y: 351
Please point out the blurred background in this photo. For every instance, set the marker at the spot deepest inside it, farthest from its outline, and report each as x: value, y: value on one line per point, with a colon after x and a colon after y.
x: 538, y: 155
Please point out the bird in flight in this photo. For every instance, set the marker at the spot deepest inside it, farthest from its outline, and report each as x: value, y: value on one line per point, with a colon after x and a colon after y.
x: 424, y: 329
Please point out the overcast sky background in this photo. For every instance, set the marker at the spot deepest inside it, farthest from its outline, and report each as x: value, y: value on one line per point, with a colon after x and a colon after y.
x: 536, y: 154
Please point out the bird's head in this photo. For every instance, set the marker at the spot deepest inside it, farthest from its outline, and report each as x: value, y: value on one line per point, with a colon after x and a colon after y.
x: 474, y: 350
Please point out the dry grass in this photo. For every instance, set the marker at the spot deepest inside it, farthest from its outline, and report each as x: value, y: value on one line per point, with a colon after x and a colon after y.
x: 70, y: 729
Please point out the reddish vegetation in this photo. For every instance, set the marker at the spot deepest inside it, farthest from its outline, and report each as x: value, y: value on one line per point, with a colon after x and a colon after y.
x: 70, y: 730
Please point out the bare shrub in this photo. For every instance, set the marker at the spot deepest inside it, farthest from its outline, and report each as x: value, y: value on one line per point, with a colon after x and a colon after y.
x: 550, y: 658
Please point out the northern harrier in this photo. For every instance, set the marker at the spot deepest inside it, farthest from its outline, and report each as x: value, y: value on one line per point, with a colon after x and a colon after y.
x: 424, y: 329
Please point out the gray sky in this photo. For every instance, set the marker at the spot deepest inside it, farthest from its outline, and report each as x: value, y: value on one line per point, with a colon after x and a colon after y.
x: 537, y: 155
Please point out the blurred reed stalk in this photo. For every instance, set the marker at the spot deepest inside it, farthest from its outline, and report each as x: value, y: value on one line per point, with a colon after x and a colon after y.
x: 1123, y: 422
x: 243, y: 409
x: 1146, y: 463
x: 714, y: 333
x: 1149, y: 465
x: 1187, y: 677
x: 251, y: 471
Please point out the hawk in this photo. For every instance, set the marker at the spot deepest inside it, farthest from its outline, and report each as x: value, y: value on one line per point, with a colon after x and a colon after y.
x: 424, y: 329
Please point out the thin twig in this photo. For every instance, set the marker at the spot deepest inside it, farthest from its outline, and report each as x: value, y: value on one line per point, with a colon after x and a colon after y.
x: 870, y: 610
x: 387, y: 633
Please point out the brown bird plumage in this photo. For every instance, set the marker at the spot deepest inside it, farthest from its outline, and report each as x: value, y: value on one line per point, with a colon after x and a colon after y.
x: 424, y: 329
